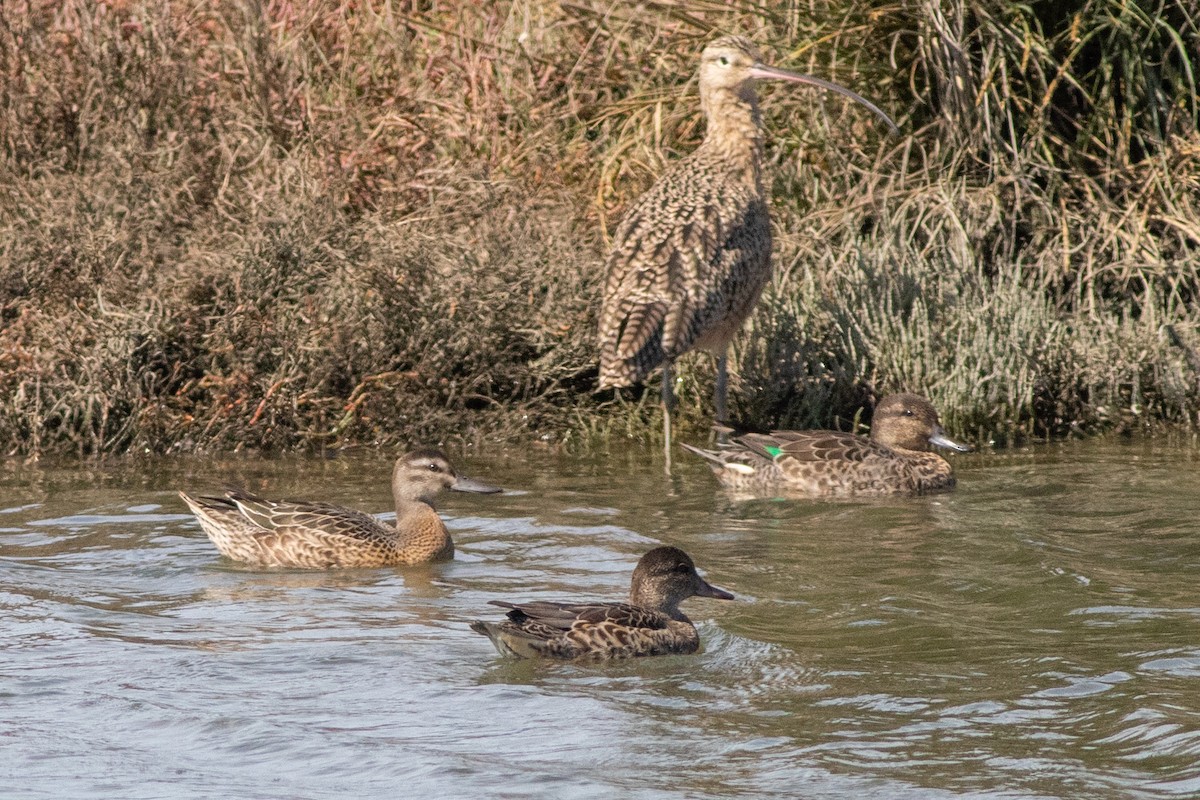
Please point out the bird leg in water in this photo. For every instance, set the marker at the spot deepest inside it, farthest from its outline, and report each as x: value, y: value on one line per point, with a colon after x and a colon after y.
x: 721, y: 390
x: 668, y: 404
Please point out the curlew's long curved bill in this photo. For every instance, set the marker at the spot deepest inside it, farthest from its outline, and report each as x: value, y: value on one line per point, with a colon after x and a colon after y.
x: 774, y: 73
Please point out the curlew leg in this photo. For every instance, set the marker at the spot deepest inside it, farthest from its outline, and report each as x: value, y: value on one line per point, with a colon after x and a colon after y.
x: 721, y: 390
x: 668, y: 403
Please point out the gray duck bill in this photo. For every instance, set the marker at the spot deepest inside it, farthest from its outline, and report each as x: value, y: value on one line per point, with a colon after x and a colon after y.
x: 477, y: 487
x: 708, y: 590
x: 940, y: 439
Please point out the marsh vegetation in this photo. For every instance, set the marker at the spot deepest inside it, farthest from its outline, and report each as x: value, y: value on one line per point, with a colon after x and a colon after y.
x: 310, y: 224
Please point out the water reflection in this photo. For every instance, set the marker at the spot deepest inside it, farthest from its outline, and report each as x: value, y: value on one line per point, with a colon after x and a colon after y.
x: 1032, y: 634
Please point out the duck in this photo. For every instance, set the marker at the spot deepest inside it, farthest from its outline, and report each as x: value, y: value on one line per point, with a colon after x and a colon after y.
x: 317, y: 535
x: 649, y: 624
x: 897, y: 459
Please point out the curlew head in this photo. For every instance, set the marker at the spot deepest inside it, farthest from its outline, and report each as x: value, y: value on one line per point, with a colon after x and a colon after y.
x: 910, y: 422
x: 732, y: 64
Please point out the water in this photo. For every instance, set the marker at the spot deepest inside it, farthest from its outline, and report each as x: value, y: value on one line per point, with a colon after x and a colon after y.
x: 1034, y: 634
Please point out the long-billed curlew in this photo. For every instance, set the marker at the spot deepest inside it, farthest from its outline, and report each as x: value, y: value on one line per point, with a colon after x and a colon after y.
x: 692, y: 255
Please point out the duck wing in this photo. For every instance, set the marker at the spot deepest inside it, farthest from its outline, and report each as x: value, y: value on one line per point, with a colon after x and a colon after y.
x: 307, y: 518
x: 810, y: 446
x: 549, y: 619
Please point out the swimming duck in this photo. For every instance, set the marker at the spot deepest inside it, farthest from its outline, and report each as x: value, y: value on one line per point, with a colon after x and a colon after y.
x: 650, y: 624
x: 283, y: 533
x: 895, y: 460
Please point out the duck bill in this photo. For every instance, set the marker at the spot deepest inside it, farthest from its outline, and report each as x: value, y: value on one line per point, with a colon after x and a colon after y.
x: 477, y: 487
x: 764, y: 72
x: 940, y: 439
x: 706, y: 589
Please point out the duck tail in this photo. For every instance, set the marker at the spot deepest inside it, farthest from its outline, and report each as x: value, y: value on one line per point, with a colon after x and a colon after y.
x: 492, y: 631
x: 708, y: 455
x: 507, y: 642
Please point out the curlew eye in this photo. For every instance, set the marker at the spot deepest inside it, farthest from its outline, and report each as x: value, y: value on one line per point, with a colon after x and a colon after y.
x: 723, y: 61
x: 432, y: 467
x: 908, y: 412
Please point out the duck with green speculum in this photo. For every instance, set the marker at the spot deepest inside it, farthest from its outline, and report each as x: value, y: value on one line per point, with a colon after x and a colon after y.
x: 649, y: 624
x: 896, y: 459
x: 316, y: 535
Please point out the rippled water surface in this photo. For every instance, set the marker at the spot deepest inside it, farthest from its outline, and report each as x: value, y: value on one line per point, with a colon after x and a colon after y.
x: 1035, y: 634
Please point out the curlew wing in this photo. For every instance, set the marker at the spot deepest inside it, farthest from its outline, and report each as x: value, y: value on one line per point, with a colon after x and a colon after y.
x: 689, y: 260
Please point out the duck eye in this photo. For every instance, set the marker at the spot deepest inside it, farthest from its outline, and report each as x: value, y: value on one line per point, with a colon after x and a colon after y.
x: 431, y: 467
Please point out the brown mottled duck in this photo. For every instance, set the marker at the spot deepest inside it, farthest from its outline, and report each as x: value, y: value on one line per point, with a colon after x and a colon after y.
x: 650, y: 624
x: 692, y: 255
x: 315, y: 535
x: 897, y: 459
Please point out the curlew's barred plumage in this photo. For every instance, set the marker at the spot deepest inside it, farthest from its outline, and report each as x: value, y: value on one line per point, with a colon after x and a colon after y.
x: 692, y: 255
x: 283, y: 533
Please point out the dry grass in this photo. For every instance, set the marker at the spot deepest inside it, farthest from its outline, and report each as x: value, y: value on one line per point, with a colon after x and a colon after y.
x: 311, y: 224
